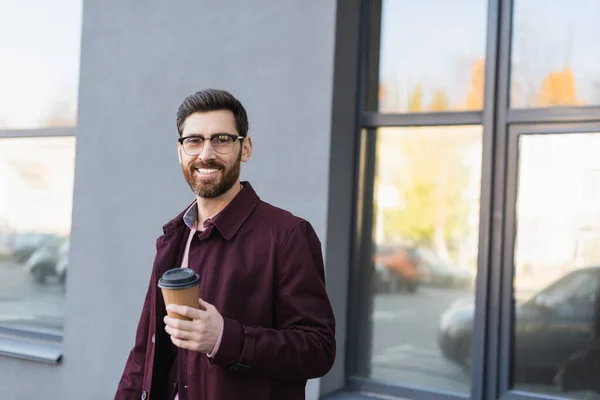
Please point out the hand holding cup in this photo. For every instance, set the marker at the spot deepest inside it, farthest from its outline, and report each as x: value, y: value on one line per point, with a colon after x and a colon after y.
x: 180, y: 286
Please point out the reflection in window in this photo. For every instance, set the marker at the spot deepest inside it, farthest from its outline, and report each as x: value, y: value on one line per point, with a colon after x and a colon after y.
x: 36, y: 186
x: 426, y: 217
x: 555, y: 53
x: 39, y: 63
x: 557, y: 266
x: 432, y: 61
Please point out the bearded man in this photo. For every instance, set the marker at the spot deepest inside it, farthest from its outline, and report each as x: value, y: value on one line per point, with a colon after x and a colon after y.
x: 264, y: 324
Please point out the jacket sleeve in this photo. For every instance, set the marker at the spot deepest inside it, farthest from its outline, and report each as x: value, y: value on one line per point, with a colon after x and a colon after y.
x: 303, y: 344
x: 130, y: 385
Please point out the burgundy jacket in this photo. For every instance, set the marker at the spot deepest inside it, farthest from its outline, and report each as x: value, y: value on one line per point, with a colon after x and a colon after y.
x: 262, y: 268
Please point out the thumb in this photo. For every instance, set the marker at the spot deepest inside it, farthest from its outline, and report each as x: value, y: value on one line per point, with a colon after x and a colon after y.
x: 203, y: 304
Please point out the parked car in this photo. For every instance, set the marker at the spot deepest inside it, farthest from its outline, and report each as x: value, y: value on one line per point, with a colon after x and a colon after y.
x: 436, y: 272
x: 25, y: 244
x: 42, y: 263
x: 549, y: 328
x: 396, y: 269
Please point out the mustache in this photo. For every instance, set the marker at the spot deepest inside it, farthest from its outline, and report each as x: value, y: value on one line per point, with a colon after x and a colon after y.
x: 207, y: 165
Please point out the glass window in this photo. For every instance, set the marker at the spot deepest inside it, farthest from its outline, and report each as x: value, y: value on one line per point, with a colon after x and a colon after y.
x: 39, y: 63
x: 426, y: 221
x: 432, y: 55
x: 557, y: 266
x: 36, y: 187
x: 555, y: 53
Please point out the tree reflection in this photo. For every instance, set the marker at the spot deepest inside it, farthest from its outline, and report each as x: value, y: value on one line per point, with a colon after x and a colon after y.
x: 432, y: 174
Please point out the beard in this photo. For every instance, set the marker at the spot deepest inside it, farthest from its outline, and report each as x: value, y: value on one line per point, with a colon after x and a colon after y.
x: 226, y: 178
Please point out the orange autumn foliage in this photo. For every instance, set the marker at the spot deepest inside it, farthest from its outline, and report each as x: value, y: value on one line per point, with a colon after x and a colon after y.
x: 558, y: 89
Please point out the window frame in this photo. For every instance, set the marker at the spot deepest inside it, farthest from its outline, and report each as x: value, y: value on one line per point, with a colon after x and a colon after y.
x: 31, y: 343
x: 492, y: 325
x: 510, y: 229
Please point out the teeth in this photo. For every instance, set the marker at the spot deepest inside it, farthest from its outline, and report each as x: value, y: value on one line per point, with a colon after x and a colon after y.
x: 206, y: 171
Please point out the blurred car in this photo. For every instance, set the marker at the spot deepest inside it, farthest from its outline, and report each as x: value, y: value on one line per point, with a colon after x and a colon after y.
x: 396, y: 269
x: 25, y: 244
x: 43, y: 261
x: 549, y: 328
x: 434, y: 271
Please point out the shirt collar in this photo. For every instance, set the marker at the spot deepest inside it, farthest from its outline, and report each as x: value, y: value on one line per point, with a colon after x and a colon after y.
x: 191, y: 216
x: 229, y: 220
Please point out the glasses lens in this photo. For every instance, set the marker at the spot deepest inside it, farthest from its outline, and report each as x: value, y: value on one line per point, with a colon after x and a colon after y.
x: 193, y: 146
x: 222, y: 143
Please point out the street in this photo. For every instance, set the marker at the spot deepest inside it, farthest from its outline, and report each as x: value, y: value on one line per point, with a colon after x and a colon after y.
x: 405, y: 348
x: 26, y: 304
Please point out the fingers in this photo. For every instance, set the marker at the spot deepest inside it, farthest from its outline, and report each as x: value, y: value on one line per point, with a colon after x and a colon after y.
x: 178, y: 323
x: 180, y: 333
x: 185, y: 344
x: 204, y: 305
x: 186, y: 311
x: 201, y: 333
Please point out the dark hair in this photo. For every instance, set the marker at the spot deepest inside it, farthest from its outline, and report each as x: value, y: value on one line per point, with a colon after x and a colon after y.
x: 213, y: 100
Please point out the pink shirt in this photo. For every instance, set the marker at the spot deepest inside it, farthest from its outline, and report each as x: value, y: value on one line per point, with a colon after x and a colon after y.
x: 184, y: 264
x: 191, y: 220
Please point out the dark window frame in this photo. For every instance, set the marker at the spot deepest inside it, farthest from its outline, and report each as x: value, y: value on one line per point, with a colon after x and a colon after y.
x: 37, y: 133
x: 510, y: 229
x: 31, y: 343
x: 491, y: 332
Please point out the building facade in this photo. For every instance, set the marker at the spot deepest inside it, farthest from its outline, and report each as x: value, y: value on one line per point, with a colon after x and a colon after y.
x: 445, y: 152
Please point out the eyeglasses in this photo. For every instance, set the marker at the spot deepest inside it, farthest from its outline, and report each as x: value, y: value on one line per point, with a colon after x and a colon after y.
x: 222, y: 143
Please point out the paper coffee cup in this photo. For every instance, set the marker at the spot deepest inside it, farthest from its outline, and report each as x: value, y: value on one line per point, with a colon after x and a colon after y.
x: 180, y: 286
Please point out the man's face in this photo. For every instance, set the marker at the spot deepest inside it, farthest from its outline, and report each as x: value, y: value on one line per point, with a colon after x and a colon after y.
x: 209, y: 173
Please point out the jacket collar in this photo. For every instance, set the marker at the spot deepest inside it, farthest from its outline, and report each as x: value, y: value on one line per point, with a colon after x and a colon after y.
x: 229, y: 220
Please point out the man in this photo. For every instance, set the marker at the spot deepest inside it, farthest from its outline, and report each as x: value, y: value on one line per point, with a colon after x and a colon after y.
x: 264, y: 323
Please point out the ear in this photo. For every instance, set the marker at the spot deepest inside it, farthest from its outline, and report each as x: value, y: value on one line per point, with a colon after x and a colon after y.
x: 247, y: 149
x: 179, y: 152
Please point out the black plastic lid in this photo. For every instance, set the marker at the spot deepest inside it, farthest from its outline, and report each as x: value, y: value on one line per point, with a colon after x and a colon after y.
x: 179, y: 278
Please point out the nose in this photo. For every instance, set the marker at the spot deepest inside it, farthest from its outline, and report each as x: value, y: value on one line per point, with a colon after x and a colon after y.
x: 207, y: 153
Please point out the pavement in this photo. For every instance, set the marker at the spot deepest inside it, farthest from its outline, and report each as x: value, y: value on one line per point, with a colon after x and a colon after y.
x: 405, y: 348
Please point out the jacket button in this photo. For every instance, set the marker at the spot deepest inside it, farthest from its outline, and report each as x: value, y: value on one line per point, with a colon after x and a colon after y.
x: 154, y: 338
x: 144, y: 395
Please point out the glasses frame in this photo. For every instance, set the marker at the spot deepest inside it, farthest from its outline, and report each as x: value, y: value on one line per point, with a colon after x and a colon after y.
x: 210, y: 138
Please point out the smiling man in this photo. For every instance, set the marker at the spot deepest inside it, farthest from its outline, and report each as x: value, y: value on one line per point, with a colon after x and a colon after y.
x: 264, y: 324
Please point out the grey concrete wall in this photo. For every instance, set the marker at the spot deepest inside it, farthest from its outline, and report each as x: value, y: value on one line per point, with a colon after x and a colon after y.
x: 139, y: 60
